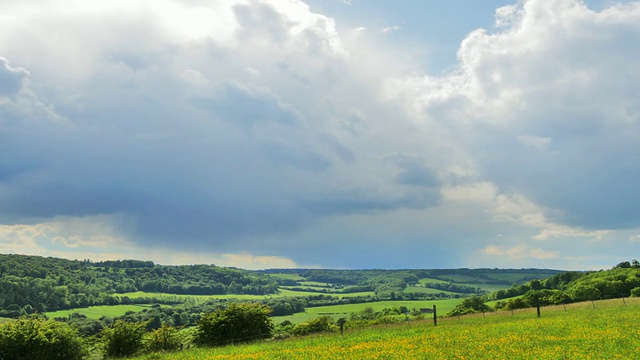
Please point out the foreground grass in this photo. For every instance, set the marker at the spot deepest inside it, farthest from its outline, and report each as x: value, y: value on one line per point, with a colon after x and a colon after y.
x: 610, y: 331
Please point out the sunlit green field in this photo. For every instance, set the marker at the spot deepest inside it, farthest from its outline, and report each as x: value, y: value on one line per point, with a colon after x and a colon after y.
x: 294, y: 277
x: 96, y: 312
x: 432, y: 280
x: 201, y: 298
x: 418, y: 289
x: 610, y: 331
x: 470, y: 281
x: 338, y: 311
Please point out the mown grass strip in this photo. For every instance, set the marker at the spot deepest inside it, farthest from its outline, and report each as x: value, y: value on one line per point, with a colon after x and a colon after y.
x: 96, y: 312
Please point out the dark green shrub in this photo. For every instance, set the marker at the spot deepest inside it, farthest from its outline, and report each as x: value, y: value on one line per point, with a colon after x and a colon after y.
x: 165, y: 338
x: 37, y: 338
x: 123, y: 338
x: 320, y: 324
x: 237, y: 323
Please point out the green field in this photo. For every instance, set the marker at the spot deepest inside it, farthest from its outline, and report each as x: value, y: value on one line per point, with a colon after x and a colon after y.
x: 470, y: 281
x: 609, y: 331
x: 338, y: 311
x: 432, y: 280
x: 198, y: 298
x: 201, y: 298
x: 96, y: 312
x: 294, y: 277
x: 419, y: 289
x: 315, y: 283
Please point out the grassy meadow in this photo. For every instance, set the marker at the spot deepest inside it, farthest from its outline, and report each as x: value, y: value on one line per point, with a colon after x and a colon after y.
x: 283, y: 292
x: 577, y: 331
x: 96, y: 312
x: 338, y: 311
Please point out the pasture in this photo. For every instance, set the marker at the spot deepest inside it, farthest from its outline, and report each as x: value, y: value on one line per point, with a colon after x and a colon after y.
x: 338, y: 311
x: 609, y: 331
x: 96, y: 312
x: 283, y: 292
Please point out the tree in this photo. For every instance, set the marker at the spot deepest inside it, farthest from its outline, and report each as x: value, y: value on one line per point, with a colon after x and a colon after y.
x: 165, y: 338
x: 585, y: 293
x: 470, y: 305
x: 36, y: 338
x: 237, y: 323
x: 319, y: 324
x: 123, y: 338
x: 623, y: 265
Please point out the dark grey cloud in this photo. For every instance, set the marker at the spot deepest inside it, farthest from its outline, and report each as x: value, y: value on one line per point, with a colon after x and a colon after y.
x: 282, y: 154
x: 414, y: 171
x: 262, y: 132
x: 249, y: 107
x: 12, y: 79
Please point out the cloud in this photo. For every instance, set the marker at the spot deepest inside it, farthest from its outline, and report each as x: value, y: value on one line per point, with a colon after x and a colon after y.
x: 247, y: 108
x: 197, y: 138
x: 97, y: 238
x: 543, y: 108
x: 12, y: 80
x: 257, y: 132
x: 391, y: 29
x: 521, y: 252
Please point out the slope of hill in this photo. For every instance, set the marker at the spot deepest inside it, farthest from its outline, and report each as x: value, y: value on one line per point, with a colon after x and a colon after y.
x: 36, y: 284
x: 33, y: 283
x: 623, y: 280
x: 578, y: 332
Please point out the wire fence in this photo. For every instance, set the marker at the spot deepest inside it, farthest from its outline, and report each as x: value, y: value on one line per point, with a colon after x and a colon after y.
x: 437, y: 320
x: 585, y: 305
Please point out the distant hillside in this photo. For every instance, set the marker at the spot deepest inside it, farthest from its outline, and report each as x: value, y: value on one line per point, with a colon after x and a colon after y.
x: 33, y: 283
x: 407, y: 283
x: 36, y: 284
x: 623, y: 280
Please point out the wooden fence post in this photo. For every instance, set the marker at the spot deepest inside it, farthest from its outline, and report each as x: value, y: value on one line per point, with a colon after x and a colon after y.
x: 435, y: 316
x: 341, y: 323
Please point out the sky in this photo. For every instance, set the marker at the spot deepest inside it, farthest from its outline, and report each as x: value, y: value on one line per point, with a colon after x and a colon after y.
x: 334, y: 134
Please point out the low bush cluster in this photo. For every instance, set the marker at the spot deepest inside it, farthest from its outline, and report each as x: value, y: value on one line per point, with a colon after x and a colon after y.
x: 37, y: 338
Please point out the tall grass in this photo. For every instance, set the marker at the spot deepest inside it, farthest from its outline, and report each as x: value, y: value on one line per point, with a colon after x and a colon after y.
x: 610, y: 331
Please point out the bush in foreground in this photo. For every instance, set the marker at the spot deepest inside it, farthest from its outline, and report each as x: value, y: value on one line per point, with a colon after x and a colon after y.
x: 37, y: 338
x: 123, y: 339
x: 165, y: 338
x: 235, y: 324
x: 320, y: 324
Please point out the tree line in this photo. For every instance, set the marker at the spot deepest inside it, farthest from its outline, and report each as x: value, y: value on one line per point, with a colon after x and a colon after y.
x: 36, y: 284
x: 623, y: 280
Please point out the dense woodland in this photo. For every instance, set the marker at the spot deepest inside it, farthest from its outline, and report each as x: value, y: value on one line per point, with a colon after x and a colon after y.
x: 37, y: 284
x: 32, y: 284
x: 623, y: 280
